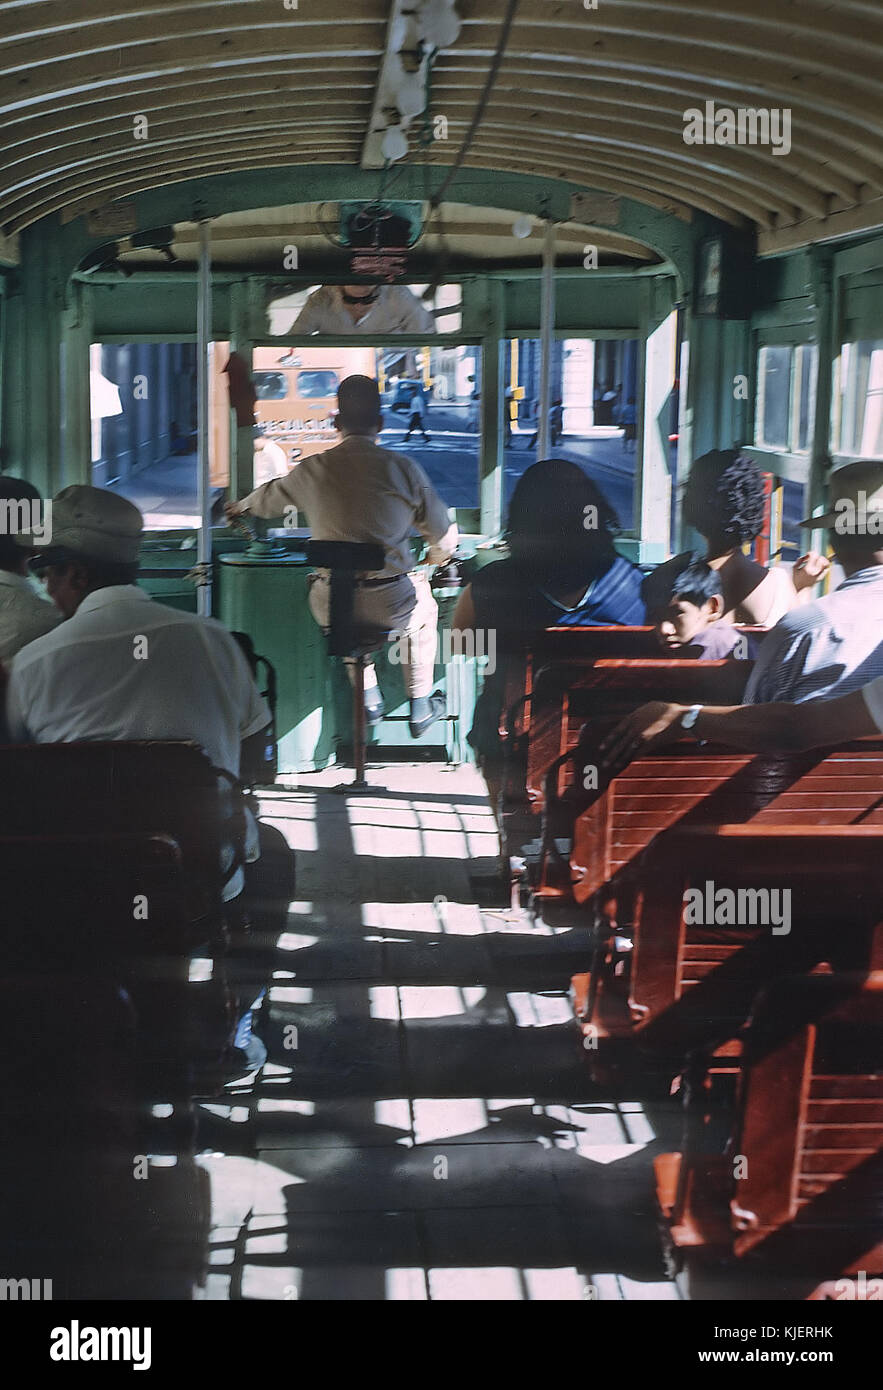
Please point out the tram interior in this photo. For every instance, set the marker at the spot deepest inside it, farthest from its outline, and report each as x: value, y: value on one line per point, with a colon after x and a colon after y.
x: 498, y: 1062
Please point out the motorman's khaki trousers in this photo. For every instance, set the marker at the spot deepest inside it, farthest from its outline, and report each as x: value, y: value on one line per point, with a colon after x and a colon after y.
x: 405, y: 608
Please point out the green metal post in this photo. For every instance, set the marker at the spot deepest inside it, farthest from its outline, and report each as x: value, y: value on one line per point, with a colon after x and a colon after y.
x: 492, y: 396
x: 827, y: 340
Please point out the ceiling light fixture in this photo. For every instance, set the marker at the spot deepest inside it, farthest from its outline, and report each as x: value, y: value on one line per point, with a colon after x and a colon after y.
x: 438, y: 23
x: 394, y: 144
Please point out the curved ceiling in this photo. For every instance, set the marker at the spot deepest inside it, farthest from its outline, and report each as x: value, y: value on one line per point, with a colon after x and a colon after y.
x: 594, y: 96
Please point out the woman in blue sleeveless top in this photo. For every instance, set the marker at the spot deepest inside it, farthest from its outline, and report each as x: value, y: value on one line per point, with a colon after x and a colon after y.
x: 563, y: 570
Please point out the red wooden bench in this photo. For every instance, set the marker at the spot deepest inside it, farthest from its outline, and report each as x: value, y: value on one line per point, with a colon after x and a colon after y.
x: 625, y: 858
x: 567, y: 697
x: 798, y: 1189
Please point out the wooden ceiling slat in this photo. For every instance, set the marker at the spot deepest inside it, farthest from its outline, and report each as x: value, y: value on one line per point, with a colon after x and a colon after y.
x: 777, y: 192
x: 593, y: 96
x: 819, y: 171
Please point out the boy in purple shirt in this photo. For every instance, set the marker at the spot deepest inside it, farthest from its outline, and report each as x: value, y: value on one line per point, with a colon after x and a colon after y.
x: 690, y: 626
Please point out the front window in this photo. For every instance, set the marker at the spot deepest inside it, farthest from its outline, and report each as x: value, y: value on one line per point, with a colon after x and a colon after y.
x: 429, y: 395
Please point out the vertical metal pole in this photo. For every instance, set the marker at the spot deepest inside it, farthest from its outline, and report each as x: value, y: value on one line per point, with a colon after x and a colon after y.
x: 492, y: 393
x: 547, y: 324
x: 203, y: 366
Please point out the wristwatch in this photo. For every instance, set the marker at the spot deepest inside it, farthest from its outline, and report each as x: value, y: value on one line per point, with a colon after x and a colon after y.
x: 689, y: 719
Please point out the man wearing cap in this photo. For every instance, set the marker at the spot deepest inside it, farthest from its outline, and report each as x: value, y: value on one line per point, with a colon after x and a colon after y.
x: 123, y: 666
x: 835, y: 644
x: 360, y: 492
x: 24, y: 613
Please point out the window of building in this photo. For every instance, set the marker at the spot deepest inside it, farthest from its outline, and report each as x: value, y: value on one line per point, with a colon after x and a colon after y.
x: 143, y: 407
x: 858, y: 413
x: 593, y: 412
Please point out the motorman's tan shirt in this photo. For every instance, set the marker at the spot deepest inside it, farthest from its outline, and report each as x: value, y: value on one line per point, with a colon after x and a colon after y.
x: 359, y: 491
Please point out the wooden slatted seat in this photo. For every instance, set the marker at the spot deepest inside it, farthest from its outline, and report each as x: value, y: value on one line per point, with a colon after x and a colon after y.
x: 73, y: 900
x: 568, y: 695
x: 800, y: 1188
x: 682, y: 787
x: 116, y: 906
x: 692, y: 982
x: 689, y: 784
x: 78, y: 1219
x: 130, y: 787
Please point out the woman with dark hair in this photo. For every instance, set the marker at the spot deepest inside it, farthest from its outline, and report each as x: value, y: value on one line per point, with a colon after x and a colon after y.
x: 563, y: 570
x: 724, y: 501
x: 563, y: 567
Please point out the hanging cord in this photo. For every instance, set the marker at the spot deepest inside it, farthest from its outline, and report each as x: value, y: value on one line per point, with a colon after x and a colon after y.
x: 482, y: 105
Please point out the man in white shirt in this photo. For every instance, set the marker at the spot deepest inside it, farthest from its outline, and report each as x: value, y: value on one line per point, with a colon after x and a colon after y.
x: 24, y: 613
x: 834, y: 644
x: 123, y: 666
x: 361, y: 492
x: 364, y: 309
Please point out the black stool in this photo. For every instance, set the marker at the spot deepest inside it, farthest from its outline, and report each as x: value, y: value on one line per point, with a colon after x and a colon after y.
x: 346, y: 559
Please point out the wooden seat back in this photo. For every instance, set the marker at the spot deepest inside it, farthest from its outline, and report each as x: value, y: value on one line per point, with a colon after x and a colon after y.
x: 811, y: 1120
x: 526, y: 657
x: 688, y: 784
x: 798, y: 1189
x: 76, y: 900
x: 567, y: 697
x: 130, y: 787
x: 693, y: 939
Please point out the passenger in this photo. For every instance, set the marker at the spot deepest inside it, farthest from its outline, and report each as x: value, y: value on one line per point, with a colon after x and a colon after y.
x: 773, y: 728
x: 690, y: 627
x: 123, y: 666
x: 563, y: 567
x: 361, y: 492
x: 563, y: 570
x: 24, y: 614
x: 724, y: 501
x: 835, y: 644
x: 364, y: 309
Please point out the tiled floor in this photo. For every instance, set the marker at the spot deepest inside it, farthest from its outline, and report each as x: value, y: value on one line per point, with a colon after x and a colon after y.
x: 425, y: 1127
